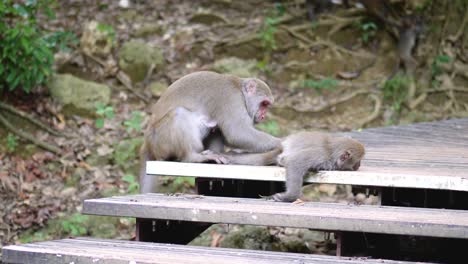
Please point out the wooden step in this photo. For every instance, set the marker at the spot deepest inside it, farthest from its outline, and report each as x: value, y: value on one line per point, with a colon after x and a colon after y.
x: 421, y: 178
x: 429, y: 155
x: 89, y: 250
x: 313, y: 215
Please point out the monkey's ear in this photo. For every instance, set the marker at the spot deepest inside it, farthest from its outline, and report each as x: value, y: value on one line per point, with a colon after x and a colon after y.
x: 249, y: 86
x: 345, y: 156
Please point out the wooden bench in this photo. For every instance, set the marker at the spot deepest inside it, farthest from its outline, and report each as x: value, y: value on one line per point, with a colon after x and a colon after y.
x: 88, y: 250
x: 412, y: 167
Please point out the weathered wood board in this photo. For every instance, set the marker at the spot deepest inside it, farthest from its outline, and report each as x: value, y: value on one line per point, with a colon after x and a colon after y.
x: 426, y: 155
x: 313, y: 215
x: 91, y: 251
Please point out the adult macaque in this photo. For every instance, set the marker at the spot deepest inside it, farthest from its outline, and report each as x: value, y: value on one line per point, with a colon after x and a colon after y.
x: 304, y: 152
x: 179, y: 137
x: 234, y: 103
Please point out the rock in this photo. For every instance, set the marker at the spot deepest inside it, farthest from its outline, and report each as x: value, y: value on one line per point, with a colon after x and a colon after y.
x: 236, y: 66
x: 329, y: 189
x: 68, y: 192
x: 250, y: 237
x: 78, y: 96
x: 207, y: 18
x: 148, y: 30
x: 97, y: 39
x: 136, y: 57
x: 158, y: 88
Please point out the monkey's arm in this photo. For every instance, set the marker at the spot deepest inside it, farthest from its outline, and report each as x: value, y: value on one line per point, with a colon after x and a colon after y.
x: 248, y: 138
x: 297, y: 165
x: 258, y: 159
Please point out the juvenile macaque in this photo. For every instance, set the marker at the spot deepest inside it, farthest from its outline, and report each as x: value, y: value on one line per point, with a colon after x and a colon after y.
x: 177, y: 136
x: 234, y: 103
x: 304, y: 152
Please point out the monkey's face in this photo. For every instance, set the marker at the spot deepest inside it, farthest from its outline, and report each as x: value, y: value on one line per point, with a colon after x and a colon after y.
x: 349, y: 161
x: 258, y: 98
x: 262, y: 110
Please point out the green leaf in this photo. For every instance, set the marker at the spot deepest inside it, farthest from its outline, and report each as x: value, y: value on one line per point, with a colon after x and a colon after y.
x: 99, y: 123
x: 21, y: 10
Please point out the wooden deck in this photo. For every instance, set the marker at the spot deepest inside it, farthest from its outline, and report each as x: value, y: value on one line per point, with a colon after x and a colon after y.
x: 425, y: 155
x: 313, y: 215
x: 103, y: 251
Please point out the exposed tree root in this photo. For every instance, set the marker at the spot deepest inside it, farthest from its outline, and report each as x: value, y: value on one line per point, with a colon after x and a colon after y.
x: 31, y: 119
x: 375, y: 114
x: 297, y: 35
x: 461, y: 29
x: 28, y: 136
x: 329, y: 44
x: 339, y: 23
x: 332, y: 103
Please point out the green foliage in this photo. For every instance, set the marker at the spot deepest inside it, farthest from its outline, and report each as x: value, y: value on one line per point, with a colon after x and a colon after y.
x: 133, y: 185
x: 436, y: 68
x: 75, y: 225
x: 96, y: 226
x: 395, y: 90
x: 26, y: 51
x: 320, y: 85
x: 126, y: 152
x: 61, y: 40
x: 314, y: 24
x: 270, y: 127
x: 423, y: 6
x: 368, y: 31
x: 134, y: 123
x: 267, y: 33
x: 108, y: 30
x: 103, y: 112
x: 12, y: 142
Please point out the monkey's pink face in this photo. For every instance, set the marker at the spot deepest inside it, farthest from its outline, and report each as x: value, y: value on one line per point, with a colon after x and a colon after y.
x: 262, y: 111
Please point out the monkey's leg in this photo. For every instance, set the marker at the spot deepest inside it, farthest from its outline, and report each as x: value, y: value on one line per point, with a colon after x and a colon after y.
x: 148, y: 184
x: 296, y: 167
x: 214, y: 141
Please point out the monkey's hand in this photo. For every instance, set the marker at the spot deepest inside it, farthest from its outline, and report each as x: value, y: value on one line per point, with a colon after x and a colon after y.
x: 212, y: 156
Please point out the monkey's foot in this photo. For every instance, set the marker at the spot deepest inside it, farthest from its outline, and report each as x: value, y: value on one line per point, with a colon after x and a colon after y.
x: 267, y: 197
x: 284, y: 197
x: 212, y: 156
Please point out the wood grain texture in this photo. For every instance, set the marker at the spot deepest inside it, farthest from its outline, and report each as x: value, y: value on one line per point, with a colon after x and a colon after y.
x: 313, y: 215
x: 91, y: 251
x: 425, y: 155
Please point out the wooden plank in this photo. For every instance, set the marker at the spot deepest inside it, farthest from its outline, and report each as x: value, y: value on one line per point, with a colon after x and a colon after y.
x: 425, y: 155
x: 394, y: 176
x: 320, y: 216
x: 104, y: 251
